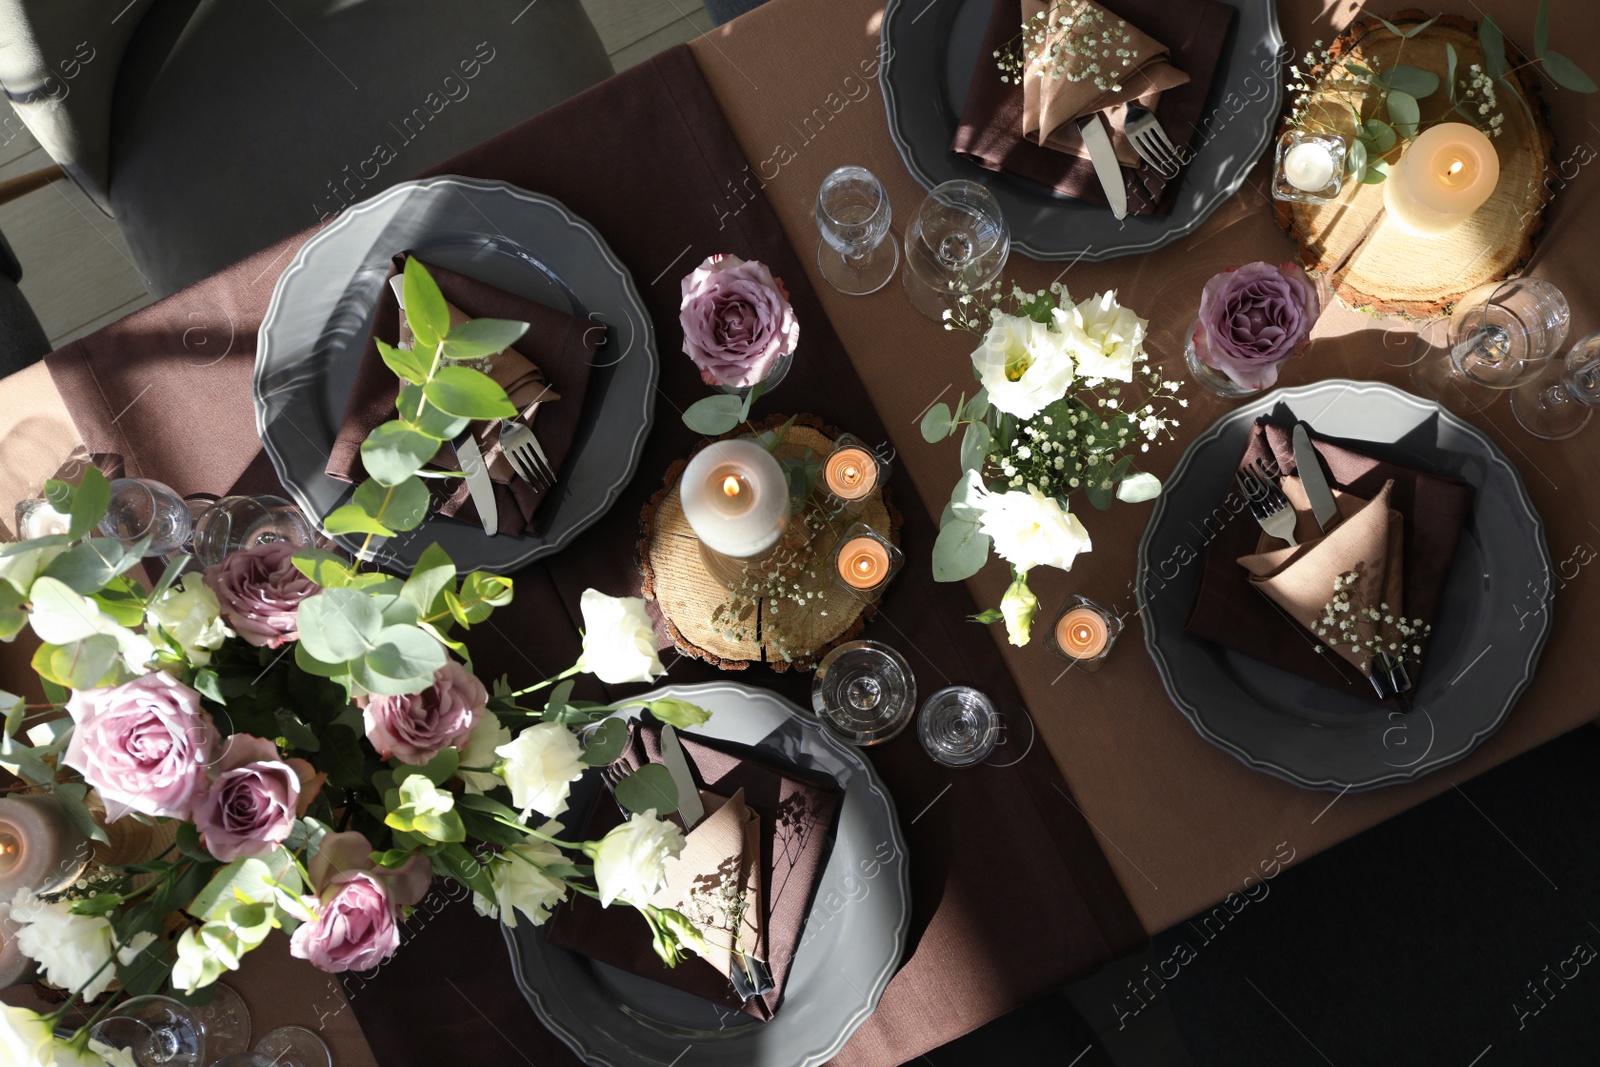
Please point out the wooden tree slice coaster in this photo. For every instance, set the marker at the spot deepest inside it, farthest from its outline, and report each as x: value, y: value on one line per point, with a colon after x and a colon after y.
x: 1394, y: 272
x: 782, y: 632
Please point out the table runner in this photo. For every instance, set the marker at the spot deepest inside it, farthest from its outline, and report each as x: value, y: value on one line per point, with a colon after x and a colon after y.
x: 1011, y: 894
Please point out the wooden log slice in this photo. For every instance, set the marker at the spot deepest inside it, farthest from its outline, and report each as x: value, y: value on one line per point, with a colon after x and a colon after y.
x: 732, y: 631
x: 1394, y: 272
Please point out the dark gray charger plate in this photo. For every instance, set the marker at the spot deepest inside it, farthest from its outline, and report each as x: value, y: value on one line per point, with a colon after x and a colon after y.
x: 1490, y: 629
x: 850, y: 947
x: 931, y: 49
x: 321, y: 313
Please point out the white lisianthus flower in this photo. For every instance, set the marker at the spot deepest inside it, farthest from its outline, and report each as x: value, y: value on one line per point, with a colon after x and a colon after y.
x: 1108, y: 337
x: 521, y: 885
x: 1031, y: 530
x: 630, y: 863
x: 1024, y: 365
x: 619, y: 641
x: 1018, y: 608
x: 26, y: 1040
x: 540, y: 767
x: 73, y: 951
x: 489, y: 734
x: 190, y: 615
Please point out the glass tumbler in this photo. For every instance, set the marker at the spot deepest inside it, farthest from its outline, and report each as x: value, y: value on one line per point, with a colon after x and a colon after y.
x: 853, y: 214
x: 143, y: 508
x: 957, y: 242
x: 237, y: 522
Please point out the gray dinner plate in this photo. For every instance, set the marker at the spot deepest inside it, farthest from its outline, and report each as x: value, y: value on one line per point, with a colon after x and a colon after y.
x: 850, y: 946
x: 1491, y: 624
x: 321, y: 315
x: 932, y: 49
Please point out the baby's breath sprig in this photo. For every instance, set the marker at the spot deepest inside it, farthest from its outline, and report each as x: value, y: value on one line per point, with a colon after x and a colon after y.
x: 1072, y: 39
x: 1367, y: 630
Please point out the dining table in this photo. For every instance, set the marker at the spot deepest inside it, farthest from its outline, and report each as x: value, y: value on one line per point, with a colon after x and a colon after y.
x: 1138, y: 821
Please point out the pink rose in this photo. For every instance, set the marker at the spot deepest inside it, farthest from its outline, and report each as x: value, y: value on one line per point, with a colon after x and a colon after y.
x: 143, y: 745
x: 418, y: 726
x: 259, y: 591
x: 357, y: 905
x: 1254, y: 317
x: 251, y: 801
x: 736, y: 321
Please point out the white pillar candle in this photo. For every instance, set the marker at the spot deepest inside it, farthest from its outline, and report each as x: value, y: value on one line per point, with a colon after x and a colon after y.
x: 1443, y: 177
x: 1308, y: 166
x: 40, y: 848
x: 735, y: 498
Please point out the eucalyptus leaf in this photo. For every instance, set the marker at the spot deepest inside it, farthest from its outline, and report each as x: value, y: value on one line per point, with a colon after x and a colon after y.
x: 937, y: 423
x: 1404, y: 114
x: 244, y: 880
x: 80, y: 664
x: 425, y: 417
x: 1355, y: 159
x: 15, y: 708
x: 604, y: 745
x: 1413, y: 80
x: 1493, y: 43
x: 987, y: 616
x: 429, y: 578
x: 1419, y: 27
x: 353, y: 519
x: 343, y: 757
x: 293, y: 729
x: 960, y: 551
x: 438, y: 770
x: 559, y: 696
x: 395, y: 451
x: 398, y: 507
x: 171, y: 574
x: 1377, y: 173
x: 425, y: 308
x: 1541, y: 30
x: 89, y: 502
x: 338, y: 624
x: 978, y: 406
x: 482, y: 337
x: 975, y: 446
x: 713, y: 415
x: 404, y: 652
x: 750, y: 396
x: 480, y: 594
x: 648, y: 788
x: 90, y: 565
x: 13, y: 616
x: 1567, y: 74
x: 327, y: 569
x: 407, y: 363
x: 468, y: 394
x: 1098, y: 495
x: 71, y: 797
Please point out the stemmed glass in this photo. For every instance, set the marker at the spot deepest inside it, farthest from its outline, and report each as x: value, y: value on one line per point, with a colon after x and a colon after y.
x: 957, y: 242
x: 225, y: 1022
x: 864, y: 692
x: 959, y: 726
x: 237, y: 522
x: 853, y: 214
x: 1558, y: 403
x: 157, y: 1031
x: 1501, y: 336
x: 141, y: 507
x: 292, y: 1046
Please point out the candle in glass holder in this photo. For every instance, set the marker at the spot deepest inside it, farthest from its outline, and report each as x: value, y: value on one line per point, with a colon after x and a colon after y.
x: 851, y: 473
x: 1084, y: 633
x: 1443, y: 177
x: 40, y: 848
x: 863, y: 562
x: 735, y: 497
x: 1308, y: 166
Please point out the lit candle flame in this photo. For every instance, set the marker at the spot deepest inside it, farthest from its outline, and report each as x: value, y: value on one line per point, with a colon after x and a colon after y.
x: 851, y: 475
x: 731, y: 486
x: 864, y: 564
x: 1455, y: 167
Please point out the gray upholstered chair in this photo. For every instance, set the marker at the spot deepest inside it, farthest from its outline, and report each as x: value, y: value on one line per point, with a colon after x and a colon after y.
x: 22, y: 339
x: 211, y: 128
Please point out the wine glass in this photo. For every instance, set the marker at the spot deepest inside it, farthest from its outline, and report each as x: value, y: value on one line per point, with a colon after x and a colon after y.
x: 225, y: 1022
x: 864, y: 692
x: 1558, y: 403
x: 957, y: 241
x: 237, y: 522
x: 1501, y: 336
x: 853, y: 214
x: 157, y: 1031
x: 959, y: 726
x: 293, y: 1046
x: 141, y: 507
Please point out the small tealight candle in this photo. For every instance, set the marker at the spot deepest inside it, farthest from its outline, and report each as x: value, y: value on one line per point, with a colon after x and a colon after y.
x: 40, y: 848
x: 1084, y: 633
x: 851, y: 473
x: 735, y: 497
x: 1443, y: 177
x: 864, y: 560
x: 1308, y: 166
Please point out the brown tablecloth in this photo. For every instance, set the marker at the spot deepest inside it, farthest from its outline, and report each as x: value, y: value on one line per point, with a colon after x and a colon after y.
x: 1056, y: 875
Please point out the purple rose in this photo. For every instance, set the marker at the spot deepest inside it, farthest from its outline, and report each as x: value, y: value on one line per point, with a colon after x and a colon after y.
x: 143, y: 745
x: 259, y: 591
x: 418, y: 726
x: 357, y: 907
x: 1252, y: 318
x: 736, y: 320
x: 250, y: 803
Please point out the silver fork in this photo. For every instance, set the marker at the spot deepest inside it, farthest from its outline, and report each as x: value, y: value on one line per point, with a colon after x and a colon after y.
x: 1151, y: 141
x: 1268, y: 504
x: 527, y: 458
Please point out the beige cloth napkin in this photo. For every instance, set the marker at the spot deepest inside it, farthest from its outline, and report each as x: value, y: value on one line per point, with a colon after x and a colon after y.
x: 1368, y: 539
x: 1051, y: 105
x: 523, y: 382
x: 716, y: 882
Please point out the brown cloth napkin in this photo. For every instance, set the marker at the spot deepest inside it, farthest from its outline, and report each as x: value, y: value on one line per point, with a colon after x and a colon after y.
x: 1052, y: 104
x: 796, y: 814
x: 716, y: 882
x: 1368, y: 541
x: 991, y: 129
x: 557, y: 350
x: 1230, y: 612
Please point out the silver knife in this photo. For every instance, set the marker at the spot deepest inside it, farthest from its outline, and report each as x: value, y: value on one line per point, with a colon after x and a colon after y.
x: 689, y: 807
x: 478, y: 482
x: 1106, y: 167
x: 1310, y: 472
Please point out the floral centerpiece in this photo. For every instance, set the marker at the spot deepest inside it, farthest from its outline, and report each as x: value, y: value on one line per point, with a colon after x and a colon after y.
x: 741, y: 332
x: 1066, y: 392
x: 317, y: 733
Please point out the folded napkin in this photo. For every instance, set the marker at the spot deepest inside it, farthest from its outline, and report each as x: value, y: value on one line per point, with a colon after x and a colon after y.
x: 795, y: 812
x: 1051, y: 105
x: 1230, y: 611
x: 716, y: 882
x: 545, y: 373
x: 994, y: 125
x: 1367, y: 541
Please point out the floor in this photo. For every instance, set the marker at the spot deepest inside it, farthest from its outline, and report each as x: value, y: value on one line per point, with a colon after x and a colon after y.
x: 76, y: 270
